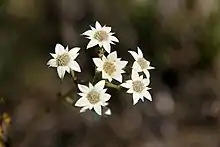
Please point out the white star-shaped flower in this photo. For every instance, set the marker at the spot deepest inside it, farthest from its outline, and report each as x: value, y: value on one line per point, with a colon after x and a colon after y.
x: 101, y: 36
x: 64, y: 60
x: 138, y: 86
x: 110, y: 66
x: 93, y: 97
x: 140, y: 64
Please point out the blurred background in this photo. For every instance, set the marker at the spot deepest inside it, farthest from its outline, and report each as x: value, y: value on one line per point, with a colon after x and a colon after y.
x: 181, y: 38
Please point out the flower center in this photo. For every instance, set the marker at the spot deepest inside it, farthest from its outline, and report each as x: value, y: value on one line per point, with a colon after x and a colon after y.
x: 109, y: 68
x: 142, y: 62
x: 101, y: 35
x: 138, y: 86
x: 93, y: 97
x: 63, y: 60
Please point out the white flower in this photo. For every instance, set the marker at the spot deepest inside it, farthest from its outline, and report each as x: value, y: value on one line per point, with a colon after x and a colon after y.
x: 111, y: 67
x: 138, y: 86
x: 140, y: 64
x: 64, y: 60
x: 93, y: 97
x: 108, y: 112
x: 101, y: 36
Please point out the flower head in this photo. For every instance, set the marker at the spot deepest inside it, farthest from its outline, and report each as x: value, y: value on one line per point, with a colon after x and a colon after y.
x: 101, y: 36
x: 93, y: 97
x: 138, y: 86
x: 110, y: 66
x: 140, y: 64
x: 64, y: 60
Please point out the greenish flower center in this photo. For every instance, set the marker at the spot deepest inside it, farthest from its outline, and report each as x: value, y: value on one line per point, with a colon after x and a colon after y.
x: 101, y: 35
x: 138, y: 86
x: 63, y: 60
x: 93, y: 97
x: 109, y: 68
x: 143, y: 63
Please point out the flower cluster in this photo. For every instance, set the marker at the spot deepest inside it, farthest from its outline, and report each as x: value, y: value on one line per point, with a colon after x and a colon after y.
x: 95, y: 96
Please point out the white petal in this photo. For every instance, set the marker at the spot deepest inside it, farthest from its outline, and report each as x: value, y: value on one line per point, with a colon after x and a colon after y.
x: 82, y: 94
x: 107, y: 29
x: 53, y: 55
x: 146, y: 72
x: 106, y: 97
x: 90, y: 86
x: 82, y: 102
x: 146, y: 82
x: 107, y: 47
x: 88, y: 33
x: 108, y: 112
x: 136, y: 67
x: 112, y: 56
x: 61, y: 71
x: 83, y: 88
x: 100, y: 85
x: 98, y: 109
x: 105, y: 75
x: 147, y: 95
x: 74, y: 66
x: 92, y: 43
x: 67, y: 69
x: 130, y: 90
x: 52, y: 63
x: 83, y: 109
x: 127, y: 84
x: 134, y: 75
x: 97, y: 25
x: 135, y: 98
x: 121, y: 64
x: 74, y: 52
x: 134, y: 54
x: 150, y: 67
x: 59, y: 49
x: 140, y: 52
x: 113, y: 38
x: 98, y: 62
x: 118, y: 77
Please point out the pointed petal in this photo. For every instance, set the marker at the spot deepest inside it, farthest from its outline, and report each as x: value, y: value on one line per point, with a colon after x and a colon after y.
x: 52, y: 63
x: 104, y: 75
x: 122, y: 64
x: 112, y: 56
x: 83, y: 109
x: 100, y: 85
x: 98, y: 109
x: 113, y: 38
x: 92, y: 43
x: 130, y: 90
x: 134, y: 54
x: 53, y: 55
x: 150, y: 67
x: 91, y: 86
x: 73, y: 53
x: 108, y: 112
x: 59, y: 49
x: 147, y: 95
x: 74, y: 66
x: 127, y: 84
x: 82, y: 102
x: 140, y: 52
x: 61, y: 71
x: 83, y: 88
x: 106, y: 97
x: 98, y: 62
x: 135, y: 98
x: 118, y: 77
x: 134, y: 75
x: 97, y: 25
x: 88, y: 33
x: 107, y: 47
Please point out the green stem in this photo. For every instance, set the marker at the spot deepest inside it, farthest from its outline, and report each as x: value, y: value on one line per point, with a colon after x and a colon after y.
x: 111, y: 85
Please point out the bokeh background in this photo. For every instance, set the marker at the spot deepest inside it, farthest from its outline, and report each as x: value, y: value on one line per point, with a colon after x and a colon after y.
x: 181, y: 38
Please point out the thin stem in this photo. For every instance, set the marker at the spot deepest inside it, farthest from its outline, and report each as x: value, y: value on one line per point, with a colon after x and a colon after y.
x: 111, y: 85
